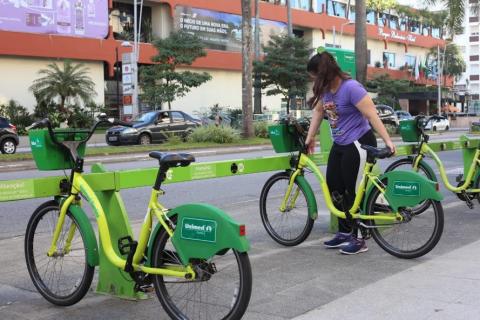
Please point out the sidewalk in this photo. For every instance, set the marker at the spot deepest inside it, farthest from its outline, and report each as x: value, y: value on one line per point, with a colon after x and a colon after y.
x: 446, y: 287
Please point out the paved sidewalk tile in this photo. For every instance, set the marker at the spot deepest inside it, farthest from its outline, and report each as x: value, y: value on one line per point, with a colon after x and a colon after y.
x: 446, y: 287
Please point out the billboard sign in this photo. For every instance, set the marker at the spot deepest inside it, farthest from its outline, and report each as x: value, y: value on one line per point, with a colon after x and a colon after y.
x: 219, y: 30
x: 80, y: 18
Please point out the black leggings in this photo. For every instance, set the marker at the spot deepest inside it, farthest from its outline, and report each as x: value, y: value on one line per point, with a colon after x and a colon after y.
x: 344, y: 171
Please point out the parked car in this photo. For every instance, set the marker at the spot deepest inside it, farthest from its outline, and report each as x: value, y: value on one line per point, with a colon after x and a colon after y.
x: 403, y: 115
x: 8, y: 137
x: 153, y: 127
x: 387, y: 115
x: 438, y: 124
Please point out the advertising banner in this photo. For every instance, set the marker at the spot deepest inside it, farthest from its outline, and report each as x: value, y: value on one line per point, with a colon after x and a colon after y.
x: 221, y: 31
x: 81, y: 18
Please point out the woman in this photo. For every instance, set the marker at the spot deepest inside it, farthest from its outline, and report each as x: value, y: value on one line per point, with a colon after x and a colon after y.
x: 350, y: 112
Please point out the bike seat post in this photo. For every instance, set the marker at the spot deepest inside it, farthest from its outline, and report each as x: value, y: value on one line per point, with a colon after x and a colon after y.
x: 161, y: 176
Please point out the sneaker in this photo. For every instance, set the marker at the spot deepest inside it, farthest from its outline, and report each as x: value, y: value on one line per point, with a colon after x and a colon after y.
x: 354, y: 247
x: 341, y: 239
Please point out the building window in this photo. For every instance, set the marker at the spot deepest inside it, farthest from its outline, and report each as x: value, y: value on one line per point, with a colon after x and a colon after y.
x: 410, y: 61
x: 382, y: 20
x: 473, y: 19
x: 474, y: 39
x: 474, y: 58
x: 121, y: 20
x: 329, y: 45
x: 320, y: 6
x: 403, y: 24
x: 337, y: 9
x: 436, y: 32
x: 394, y: 22
x: 425, y: 30
x: 389, y: 59
x: 351, y: 15
x: 474, y: 77
x: 415, y: 26
x: 369, y: 56
x: 371, y: 16
x: 301, y: 4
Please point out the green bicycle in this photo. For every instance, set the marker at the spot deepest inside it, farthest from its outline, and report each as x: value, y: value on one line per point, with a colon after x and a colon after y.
x: 468, y: 187
x: 382, y: 206
x: 195, y: 258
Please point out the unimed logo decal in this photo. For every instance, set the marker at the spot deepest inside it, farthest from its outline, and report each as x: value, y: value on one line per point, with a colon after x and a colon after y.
x: 199, y: 229
x: 406, y: 188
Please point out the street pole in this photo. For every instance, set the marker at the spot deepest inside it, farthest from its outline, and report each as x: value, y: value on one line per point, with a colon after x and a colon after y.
x: 289, y: 18
x: 334, y: 37
x: 117, y: 76
x: 257, y: 94
x: 135, y: 60
x: 439, y: 82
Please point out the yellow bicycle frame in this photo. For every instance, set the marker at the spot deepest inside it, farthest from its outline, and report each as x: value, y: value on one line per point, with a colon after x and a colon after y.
x: 306, y: 162
x: 154, y: 208
x: 425, y: 149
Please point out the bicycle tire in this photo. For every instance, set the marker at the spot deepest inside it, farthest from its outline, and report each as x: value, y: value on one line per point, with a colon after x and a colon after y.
x: 424, y: 248
x: 409, y: 161
x: 81, y: 285
x: 241, y: 295
x: 264, y: 214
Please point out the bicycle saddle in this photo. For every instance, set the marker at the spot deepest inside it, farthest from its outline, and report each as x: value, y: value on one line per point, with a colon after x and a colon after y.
x: 377, y: 153
x: 172, y: 159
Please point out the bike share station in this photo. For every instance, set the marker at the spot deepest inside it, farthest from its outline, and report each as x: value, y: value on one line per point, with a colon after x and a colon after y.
x: 107, y: 186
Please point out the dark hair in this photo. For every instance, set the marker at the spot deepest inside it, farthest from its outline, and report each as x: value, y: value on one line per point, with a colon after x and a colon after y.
x: 325, y: 68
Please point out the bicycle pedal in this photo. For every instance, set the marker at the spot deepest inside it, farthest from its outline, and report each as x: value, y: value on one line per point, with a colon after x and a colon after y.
x: 125, y: 245
x: 147, y: 288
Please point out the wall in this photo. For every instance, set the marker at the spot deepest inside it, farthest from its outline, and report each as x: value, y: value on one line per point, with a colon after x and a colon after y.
x: 21, y: 72
x: 225, y: 88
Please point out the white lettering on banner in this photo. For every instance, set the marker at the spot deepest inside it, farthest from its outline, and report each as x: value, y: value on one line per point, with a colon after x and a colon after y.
x: 395, y: 35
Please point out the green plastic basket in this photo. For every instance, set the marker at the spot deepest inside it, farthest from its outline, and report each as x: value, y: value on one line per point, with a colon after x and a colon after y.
x: 282, y: 138
x: 409, y: 131
x: 48, y: 155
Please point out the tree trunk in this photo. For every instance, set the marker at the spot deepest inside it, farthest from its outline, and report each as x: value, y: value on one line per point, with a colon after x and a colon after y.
x: 257, y: 103
x: 62, y: 104
x: 247, y: 69
x: 169, y: 105
x: 289, y: 18
x: 361, y: 40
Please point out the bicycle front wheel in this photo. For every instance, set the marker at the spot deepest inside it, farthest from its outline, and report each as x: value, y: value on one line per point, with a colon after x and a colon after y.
x: 64, y: 278
x: 293, y: 225
x: 407, y: 239
x: 221, y: 290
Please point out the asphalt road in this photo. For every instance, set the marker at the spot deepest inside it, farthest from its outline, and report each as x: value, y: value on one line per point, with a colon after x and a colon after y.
x: 287, y: 281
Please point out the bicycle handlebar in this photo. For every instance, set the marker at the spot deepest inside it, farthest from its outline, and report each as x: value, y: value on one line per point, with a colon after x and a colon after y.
x: 102, y: 120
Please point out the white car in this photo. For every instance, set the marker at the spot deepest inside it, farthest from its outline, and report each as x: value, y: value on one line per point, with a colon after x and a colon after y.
x: 438, y: 124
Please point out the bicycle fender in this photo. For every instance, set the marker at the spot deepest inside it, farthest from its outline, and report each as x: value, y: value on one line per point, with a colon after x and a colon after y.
x: 87, y: 231
x: 311, y: 200
x: 406, y: 189
x: 202, y: 232
x: 427, y: 167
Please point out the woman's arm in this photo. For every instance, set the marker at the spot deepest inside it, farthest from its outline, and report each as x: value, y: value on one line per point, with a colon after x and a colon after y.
x: 367, y: 108
x: 317, y: 118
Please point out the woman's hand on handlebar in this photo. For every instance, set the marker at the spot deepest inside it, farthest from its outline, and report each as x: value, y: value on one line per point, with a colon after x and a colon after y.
x: 310, y: 144
x: 389, y: 144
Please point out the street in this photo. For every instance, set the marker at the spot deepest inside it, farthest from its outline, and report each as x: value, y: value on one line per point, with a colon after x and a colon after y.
x: 288, y: 282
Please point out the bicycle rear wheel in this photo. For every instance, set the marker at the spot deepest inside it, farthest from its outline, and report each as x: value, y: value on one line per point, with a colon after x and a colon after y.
x: 64, y: 278
x: 221, y: 290
x: 408, y: 239
x: 292, y: 226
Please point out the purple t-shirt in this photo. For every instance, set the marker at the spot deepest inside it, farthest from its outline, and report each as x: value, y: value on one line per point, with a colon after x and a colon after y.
x: 347, y: 122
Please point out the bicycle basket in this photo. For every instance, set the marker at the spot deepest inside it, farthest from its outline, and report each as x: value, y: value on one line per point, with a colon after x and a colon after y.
x: 283, y: 138
x: 409, y: 130
x: 48, y: 155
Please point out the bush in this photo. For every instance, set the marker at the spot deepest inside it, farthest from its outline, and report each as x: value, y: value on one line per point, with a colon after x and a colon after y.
x: 17, y: 114
x: 173, y: 138
x: 261, y: 129
x: 214, y: 134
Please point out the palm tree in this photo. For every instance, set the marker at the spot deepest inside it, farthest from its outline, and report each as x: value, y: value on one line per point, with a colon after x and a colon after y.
x: 247, y: 67
x: 70, y: 82
x: 456, y: 13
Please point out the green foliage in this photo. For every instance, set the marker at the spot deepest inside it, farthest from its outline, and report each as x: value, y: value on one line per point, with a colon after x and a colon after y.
x: 282, y: 70
x: 214, y: 134
x: 173, y: 138
x: 388, y: 90
x: 261, y: 129
x: 454, y: 65
x: 17, y: 114
x: 381, y: 5
x: 161, y: 82
x: 49, y: 110
x: 455, y: 13
x: 70, y: 82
